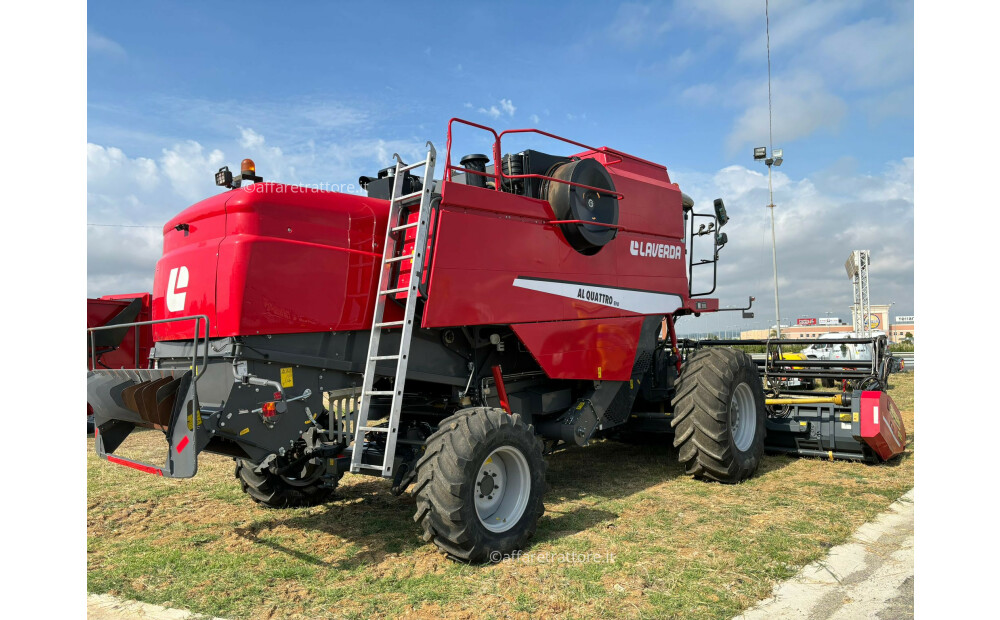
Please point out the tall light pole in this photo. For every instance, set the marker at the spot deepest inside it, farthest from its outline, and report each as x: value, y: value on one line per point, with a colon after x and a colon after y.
x: 775, y: 159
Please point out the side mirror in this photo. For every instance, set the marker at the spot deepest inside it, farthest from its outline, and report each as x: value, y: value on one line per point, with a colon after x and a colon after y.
x: 720, y: 212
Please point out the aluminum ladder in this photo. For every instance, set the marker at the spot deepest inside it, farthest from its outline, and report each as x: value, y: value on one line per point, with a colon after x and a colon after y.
x: 392, y: 254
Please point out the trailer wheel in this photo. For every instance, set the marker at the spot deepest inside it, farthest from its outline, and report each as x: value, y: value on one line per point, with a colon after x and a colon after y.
x: 276, y: 491
x: 719, y: 416
x: 480, y: 484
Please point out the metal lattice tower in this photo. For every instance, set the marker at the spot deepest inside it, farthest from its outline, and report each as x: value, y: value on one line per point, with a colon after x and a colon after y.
x: 857, y: 270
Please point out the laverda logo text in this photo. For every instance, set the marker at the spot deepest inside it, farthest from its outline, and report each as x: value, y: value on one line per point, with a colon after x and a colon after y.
x: 655, y: 250
x: 597, y: 297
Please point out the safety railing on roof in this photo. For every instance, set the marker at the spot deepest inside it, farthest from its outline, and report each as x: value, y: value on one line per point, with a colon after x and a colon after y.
x: 498, y: 175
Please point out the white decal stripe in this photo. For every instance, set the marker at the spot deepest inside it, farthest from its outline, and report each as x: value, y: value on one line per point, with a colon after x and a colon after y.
x: 640, y: 302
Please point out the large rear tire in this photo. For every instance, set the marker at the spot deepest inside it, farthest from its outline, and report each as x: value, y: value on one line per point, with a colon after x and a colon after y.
x: 719, y: 416
x: 276, y: 491
x: 480, y: 485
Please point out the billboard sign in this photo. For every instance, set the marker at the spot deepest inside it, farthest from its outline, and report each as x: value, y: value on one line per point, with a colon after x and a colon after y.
x: 829, y: 320
x: 806, y: 322
x: 904, y: 319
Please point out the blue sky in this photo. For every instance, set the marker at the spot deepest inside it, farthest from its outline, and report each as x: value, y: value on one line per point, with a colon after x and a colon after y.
x: 321, y: 93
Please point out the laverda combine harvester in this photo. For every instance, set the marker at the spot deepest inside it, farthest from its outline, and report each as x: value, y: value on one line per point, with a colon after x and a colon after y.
x: 446, y: 335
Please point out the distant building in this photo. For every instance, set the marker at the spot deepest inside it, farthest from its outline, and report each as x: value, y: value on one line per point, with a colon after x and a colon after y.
x: 807, y: 327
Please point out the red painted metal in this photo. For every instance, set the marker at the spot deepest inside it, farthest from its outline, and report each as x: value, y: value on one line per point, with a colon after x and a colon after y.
x: 501, y: 389
x: 588, y: 350
x: 101, y: 310
x: 882, y: 426
x: 182, y: 444
x: 143, y: 468
x: 288, y: 260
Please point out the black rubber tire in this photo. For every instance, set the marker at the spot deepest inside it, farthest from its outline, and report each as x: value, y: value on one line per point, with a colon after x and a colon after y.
x: 275, y: 491
x: 446, y: 479
x: 702, y: 427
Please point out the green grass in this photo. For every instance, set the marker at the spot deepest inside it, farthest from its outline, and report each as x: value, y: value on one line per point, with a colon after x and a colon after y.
x: 682, y: 548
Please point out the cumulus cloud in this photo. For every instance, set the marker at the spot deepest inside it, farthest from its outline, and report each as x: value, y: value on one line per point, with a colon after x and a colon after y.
x: 818, y: 222
x: 506, y: 107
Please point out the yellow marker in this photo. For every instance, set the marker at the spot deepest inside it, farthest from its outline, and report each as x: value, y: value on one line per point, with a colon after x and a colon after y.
x: 856, y: 417
x: 245, y: 431
x: 579, y: 407
x: 803, y: 423
x: 831, y: 454
x: 286, y: 377
x: 488, y: 461
x: 845, y: 417
x: 631, y: 384
x: 598, y: 372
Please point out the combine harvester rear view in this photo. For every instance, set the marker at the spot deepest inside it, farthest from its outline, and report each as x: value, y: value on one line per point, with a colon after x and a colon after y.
x: 447, y: 334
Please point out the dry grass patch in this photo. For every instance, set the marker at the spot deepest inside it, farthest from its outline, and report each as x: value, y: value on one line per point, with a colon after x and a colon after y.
x: 681, y: 548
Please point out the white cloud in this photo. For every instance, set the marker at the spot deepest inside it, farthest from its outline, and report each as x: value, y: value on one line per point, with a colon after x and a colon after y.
x: 801, y: 104
x: 506, y: 107
x: 534, y: 119
x: 818, y: 222
x: 190, y: 169
x: 103, y: 45
x: 492, y: 111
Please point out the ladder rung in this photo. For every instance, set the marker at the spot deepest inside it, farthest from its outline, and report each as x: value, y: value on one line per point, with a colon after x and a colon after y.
x: 410, y: 195
x: 396, y: 259
x: 393, y: 290
x: 369, y: 466
x: 390, y: 324
x: 404, y: 226
x: 380, y: 393
x: 412, y: 166
x: 378, y: 429
x: 378, y: 358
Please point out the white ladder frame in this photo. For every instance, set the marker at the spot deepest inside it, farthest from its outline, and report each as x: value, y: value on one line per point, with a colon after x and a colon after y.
x: 389, y: 258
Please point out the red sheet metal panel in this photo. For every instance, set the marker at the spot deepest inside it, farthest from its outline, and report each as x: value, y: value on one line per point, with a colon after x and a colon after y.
x: 272, y: 259
x: 588, y: 349
x: 881, y: 424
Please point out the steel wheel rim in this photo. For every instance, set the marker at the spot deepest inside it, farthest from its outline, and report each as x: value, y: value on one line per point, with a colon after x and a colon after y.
x: 502, y: 488
x: 742, y: 417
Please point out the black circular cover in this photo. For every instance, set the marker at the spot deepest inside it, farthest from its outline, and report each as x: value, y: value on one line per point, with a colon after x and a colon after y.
x: 587, y: 205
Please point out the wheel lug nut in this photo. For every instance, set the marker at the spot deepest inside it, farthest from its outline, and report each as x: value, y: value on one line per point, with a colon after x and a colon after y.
x: 480, y: 496
x: 490, y: 497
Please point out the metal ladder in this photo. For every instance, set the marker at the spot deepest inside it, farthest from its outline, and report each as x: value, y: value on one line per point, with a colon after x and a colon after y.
x: 389, y: 258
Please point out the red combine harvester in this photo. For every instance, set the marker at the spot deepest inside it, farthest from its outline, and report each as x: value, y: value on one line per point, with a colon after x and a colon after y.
x: 447, y: 334
x: 123, y: 347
